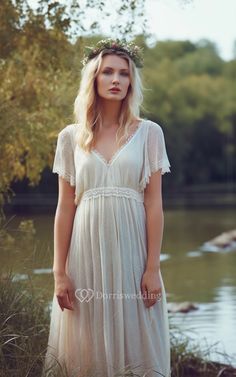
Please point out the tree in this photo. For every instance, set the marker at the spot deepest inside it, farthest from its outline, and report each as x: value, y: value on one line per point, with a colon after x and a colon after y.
x: 39, y: 67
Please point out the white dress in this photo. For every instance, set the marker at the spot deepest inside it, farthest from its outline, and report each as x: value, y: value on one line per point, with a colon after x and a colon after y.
x: 110, y: 329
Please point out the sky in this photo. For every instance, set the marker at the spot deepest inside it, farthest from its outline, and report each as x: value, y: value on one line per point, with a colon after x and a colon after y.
x: 192, y: 20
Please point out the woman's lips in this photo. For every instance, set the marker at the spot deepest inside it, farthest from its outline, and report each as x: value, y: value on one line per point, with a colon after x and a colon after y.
x: 114, y: 90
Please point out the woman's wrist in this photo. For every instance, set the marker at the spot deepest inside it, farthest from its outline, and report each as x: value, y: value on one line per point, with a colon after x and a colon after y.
x: 58, y: 272
x: 153, y: 268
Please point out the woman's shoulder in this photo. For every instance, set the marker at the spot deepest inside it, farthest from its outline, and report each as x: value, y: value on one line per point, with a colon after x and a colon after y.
x: 152, y: 126
x: 69, y: 129
x: 67, y: 135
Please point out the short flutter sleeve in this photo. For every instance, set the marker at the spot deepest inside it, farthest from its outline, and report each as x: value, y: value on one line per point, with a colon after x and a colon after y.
x: 64, y: 164
x: 155, y: 154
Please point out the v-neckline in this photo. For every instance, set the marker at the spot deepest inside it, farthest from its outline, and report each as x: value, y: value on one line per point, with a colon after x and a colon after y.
x: 119, y: 150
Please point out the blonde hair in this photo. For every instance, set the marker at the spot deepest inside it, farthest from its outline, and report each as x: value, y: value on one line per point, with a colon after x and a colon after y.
x: 86, y: 111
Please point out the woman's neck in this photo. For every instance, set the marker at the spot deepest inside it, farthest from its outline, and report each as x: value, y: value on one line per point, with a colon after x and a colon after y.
x: 110, y: 111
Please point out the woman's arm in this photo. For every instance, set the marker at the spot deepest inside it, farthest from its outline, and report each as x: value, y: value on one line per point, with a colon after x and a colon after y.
x: 154, y: 220
x: 151, y: 284
x: 63, y: 224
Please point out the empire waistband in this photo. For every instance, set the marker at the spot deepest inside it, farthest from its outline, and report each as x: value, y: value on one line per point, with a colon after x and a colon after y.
x: 113, y: 191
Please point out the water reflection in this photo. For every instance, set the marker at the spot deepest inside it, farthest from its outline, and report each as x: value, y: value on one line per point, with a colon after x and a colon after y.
x: 213, y: 325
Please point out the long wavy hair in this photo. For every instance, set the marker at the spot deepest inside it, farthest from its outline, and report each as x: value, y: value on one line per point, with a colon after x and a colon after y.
x: 86, y: 106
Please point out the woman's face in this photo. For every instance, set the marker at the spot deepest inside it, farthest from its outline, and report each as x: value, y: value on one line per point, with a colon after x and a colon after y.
x: 113, y: 79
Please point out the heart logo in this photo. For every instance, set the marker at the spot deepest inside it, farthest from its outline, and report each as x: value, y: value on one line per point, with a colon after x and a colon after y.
x: 83, y: 294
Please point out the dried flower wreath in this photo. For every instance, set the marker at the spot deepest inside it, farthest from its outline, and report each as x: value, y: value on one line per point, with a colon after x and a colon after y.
x: 129, y: 48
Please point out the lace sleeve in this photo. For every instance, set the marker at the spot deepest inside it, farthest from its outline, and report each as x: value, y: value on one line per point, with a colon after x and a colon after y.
x: 157, y: 154
x: 156, y: 157
x: 64, y: 164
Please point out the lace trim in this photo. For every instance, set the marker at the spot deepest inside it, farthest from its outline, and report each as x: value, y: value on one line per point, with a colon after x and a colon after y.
x: 113, y: 191
x: 164, y: 165
x: 120, y: 149
x: 69, y: 178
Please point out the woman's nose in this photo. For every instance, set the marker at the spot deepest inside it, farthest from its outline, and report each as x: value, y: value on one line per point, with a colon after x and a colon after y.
x: 115, y: 79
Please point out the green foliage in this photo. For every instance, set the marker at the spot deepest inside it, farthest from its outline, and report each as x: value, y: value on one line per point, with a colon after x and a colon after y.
x: 190, y: 92
x: 24, y: 324
x: 189, y: 359
x: 39, y: 74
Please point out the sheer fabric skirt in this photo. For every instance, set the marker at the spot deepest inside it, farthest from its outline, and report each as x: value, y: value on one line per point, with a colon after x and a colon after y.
x: 110, y: 330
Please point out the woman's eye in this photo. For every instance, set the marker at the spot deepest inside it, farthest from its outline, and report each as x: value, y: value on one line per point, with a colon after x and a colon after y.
x: 109, y: 72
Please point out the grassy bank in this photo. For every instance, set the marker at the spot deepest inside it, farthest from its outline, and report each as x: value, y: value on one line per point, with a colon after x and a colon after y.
x: 24, y: 325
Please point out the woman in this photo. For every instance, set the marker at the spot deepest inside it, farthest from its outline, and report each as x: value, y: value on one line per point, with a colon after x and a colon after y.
x: 109, y: 312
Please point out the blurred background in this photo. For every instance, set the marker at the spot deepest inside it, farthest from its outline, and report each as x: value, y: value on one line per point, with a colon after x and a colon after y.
x: 190, y: 90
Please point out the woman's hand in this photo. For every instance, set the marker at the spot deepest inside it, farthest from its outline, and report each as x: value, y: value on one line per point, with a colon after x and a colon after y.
x: 151, y: 287
x: 64, y: 291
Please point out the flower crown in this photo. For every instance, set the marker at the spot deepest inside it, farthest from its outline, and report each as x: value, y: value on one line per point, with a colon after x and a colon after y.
x: 129, y: 48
